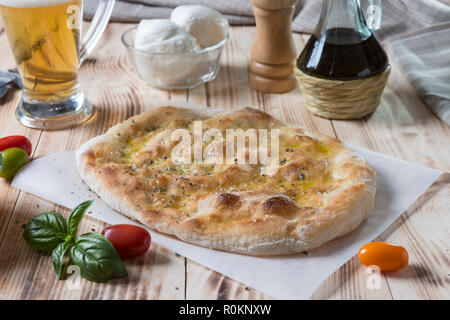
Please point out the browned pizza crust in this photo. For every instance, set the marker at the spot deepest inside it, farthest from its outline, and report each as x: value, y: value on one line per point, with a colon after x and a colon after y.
x: 320, y: 191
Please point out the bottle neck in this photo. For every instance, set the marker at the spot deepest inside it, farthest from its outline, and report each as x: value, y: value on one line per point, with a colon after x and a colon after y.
x: 342, y: 14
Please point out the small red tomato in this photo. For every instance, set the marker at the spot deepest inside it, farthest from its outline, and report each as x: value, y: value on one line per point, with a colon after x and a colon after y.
x: 385, y: 255
x: 129, y: 240
x: 16, y: 142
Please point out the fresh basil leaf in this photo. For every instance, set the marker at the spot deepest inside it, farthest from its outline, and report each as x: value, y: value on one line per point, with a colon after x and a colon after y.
x: 57, y: 257
x: 62, y: 236
x: 97, y: 259
x: 76, y: 215
x: 44, y: 231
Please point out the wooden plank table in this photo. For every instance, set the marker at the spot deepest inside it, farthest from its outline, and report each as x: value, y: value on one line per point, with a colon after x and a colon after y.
x: 402, y: 127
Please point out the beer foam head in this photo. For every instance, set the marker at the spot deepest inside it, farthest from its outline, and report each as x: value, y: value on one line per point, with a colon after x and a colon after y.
x: 32, y: 3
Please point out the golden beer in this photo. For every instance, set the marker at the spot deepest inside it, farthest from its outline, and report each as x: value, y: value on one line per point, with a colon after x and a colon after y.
x: 44, y: 36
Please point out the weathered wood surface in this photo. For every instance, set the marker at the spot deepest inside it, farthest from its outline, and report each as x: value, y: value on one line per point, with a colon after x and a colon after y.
x: 402, y: 127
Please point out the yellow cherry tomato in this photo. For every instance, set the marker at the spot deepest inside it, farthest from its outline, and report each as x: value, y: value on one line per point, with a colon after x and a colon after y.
x: 385, y: 255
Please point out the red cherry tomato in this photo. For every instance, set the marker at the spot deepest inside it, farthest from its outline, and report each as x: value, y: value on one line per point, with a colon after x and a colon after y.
x: 16, y: 142
x: 129, y: 240
x: 387, y: 256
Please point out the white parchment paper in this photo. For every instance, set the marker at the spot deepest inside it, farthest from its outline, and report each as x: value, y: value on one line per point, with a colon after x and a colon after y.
x: 399, y: 184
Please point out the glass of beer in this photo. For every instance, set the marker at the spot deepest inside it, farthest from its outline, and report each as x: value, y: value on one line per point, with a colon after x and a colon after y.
x: 45, y: 38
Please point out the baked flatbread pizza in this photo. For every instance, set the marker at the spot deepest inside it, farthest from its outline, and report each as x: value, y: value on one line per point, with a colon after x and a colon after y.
x: 302, y: 189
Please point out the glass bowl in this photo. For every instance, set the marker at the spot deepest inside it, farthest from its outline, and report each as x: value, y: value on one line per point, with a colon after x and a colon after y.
x: 175, y: 70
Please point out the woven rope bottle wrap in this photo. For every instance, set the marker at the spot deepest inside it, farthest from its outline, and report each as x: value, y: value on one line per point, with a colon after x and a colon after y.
x: 335, y: 99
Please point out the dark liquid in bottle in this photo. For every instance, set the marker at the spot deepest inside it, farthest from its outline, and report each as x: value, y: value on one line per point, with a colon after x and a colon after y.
x: 342, y: 54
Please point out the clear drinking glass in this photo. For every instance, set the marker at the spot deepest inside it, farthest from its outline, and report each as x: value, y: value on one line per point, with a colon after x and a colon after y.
x: 45, y: 38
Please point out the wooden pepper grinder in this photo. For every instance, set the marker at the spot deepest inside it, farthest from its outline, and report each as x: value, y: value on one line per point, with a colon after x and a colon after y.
x: 273, y: 53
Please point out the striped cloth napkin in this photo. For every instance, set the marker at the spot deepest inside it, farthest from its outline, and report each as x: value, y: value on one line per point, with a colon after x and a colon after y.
x: 407, y: 26
x: 424, y: 57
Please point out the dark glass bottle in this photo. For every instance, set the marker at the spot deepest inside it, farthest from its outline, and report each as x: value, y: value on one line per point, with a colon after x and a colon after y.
x: 342, y: 47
